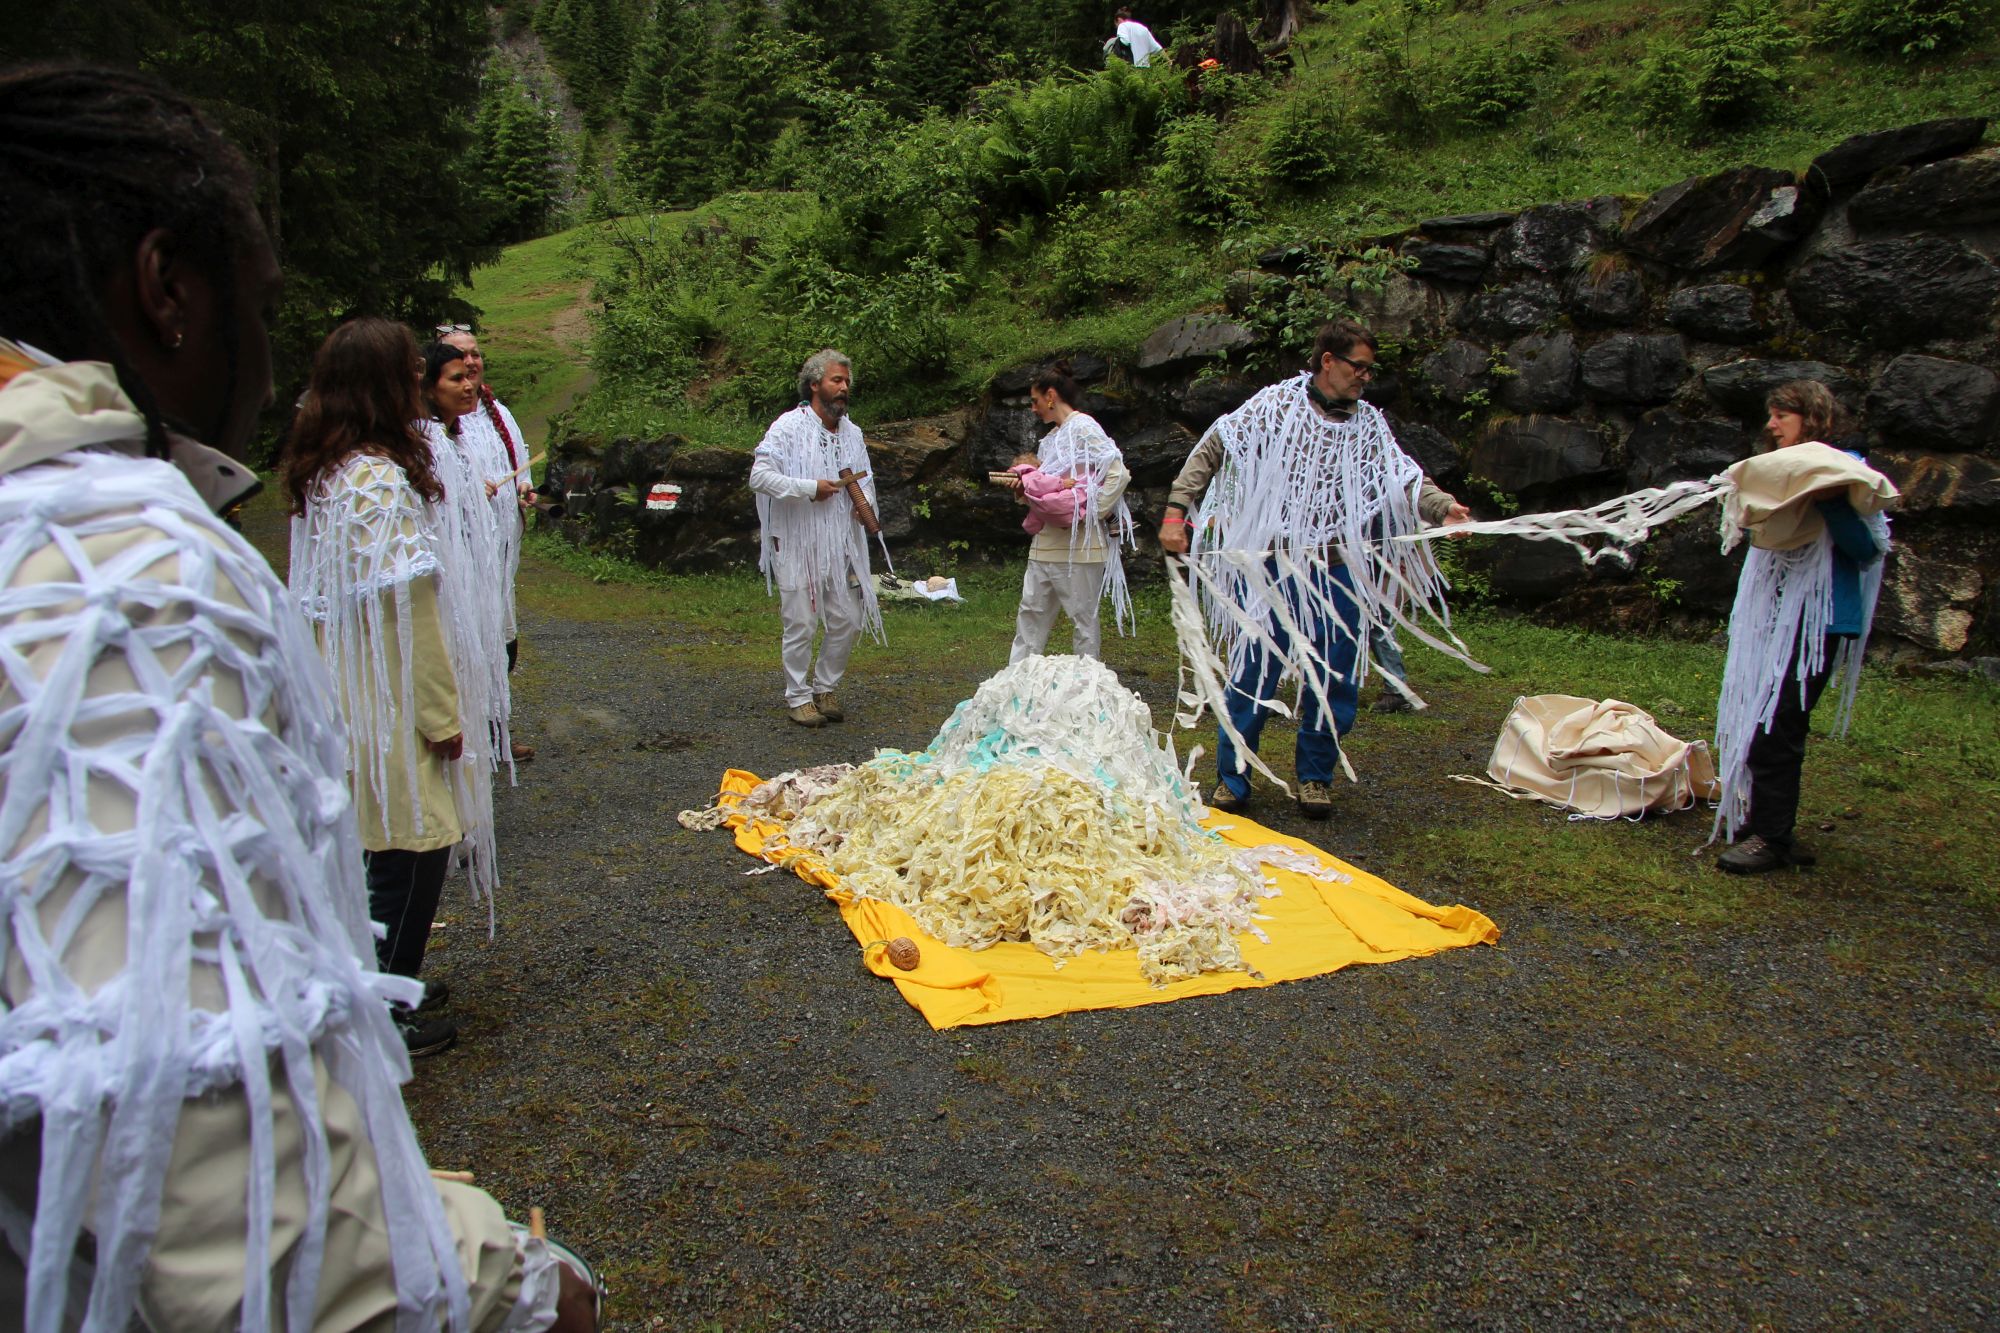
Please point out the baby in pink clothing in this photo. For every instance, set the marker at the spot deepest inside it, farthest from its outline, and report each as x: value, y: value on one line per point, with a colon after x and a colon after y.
x: 1050, y: 499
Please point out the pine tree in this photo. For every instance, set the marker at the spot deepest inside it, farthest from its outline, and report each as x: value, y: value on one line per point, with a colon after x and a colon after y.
x: 671, y: 146
x: 516, y: 159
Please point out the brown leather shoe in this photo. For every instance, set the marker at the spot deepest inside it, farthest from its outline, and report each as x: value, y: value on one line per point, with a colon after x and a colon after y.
x: 522, y: 753
x: 1316, y: 800
x: 829, y: 707
x: 807, y: 716
x: 1752, y: 856
x: 1225, y: 800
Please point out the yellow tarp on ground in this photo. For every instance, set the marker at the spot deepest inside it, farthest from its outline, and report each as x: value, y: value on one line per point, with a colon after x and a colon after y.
x: 1316, y: 926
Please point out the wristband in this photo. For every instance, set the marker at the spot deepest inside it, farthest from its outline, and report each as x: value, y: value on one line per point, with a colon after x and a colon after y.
x: 1171, y: 519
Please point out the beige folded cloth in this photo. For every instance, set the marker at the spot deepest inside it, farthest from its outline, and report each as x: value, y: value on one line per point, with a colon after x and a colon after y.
x: 1773, y: 493
x: 1602, y: 759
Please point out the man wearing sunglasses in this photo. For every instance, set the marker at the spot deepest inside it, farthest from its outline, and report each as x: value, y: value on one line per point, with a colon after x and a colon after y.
x: 1310, y: 477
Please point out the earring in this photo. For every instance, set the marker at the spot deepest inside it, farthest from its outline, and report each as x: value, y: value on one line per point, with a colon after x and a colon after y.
x: 174, y: 340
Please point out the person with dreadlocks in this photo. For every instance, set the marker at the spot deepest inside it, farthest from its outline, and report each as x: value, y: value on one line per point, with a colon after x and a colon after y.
x: 1286, y: 513
x: 200, y: 1125
x: 814, y: 549
x: 494, y: 438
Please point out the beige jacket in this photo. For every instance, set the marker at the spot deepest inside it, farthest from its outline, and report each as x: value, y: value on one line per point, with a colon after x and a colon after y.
x: 373, y: 494
x: 194, y: 1273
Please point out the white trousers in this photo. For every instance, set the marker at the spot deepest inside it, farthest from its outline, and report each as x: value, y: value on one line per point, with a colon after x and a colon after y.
x: 1075, y: 590
x: 800, y: 609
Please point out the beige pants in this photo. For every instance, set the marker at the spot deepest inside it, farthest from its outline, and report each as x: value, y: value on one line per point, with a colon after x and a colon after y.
x: 801, y: 609
x: 1048, y: 587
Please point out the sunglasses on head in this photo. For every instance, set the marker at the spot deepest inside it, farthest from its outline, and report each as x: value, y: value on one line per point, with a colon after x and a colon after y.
x: 446, y: 330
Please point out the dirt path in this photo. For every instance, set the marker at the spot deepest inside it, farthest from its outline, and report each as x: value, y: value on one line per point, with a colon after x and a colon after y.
x: 1596, y: 1122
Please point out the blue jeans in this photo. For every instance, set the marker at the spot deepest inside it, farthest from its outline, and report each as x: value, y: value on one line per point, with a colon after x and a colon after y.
x: 1318, y: 749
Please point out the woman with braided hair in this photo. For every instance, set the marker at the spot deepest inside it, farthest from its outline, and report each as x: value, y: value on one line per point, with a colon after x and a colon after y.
x: 200, y: 1125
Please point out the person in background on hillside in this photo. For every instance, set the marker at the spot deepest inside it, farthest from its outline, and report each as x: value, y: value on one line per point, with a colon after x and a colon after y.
x: 1071, y: 565
x: 815, y: 552
x: 200, y: 1125
x: 1307, y: 471
x: 1804, y: 604
x: 493, y: 437
x: 364, y: 569
x: 1133, y: 41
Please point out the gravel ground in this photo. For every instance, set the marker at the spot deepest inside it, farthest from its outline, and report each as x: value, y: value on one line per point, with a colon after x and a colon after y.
x: 1597, y: 1122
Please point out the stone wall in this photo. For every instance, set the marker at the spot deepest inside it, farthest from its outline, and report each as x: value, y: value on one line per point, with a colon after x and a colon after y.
x: 1541, y: 360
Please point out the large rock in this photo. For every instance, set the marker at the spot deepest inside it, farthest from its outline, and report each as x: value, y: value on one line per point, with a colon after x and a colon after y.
x: 1533, y: 451
x: 1607, y: 297
x: 1722, y: 312
x: 1155, y: 453
x: 1536, y: 571
x: 1475, y: 223
x: 1634, y: 368
x: 1666, y: 447
x: 1508, y: 312
x: 1896, y: 292
x: 1742, y: 386
x: 1683, y: 561
x: 1444, y: 261
x: 1192, y: 338
x: 1402, y: 308
x: 1958, y: 192
x: 1706, y: 222
x: 1853, y: 161
x: 1926, y: 402
x: 904, y: 451
x: 632, y: 462
x: 1555, y: 238
x: 1965, y: 485
x: 1456, y: 371
x: 711, y: 462
x: 1207, y: 399
x: 1927, y: 601
x: 1434, y: 452
x: 1546, y: 374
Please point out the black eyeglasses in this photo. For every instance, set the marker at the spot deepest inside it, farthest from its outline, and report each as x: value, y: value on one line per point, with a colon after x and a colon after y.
x: 1365, y: 369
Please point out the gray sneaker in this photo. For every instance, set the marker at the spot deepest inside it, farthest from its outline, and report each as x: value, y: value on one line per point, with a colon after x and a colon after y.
x: 806, y: 715
x: 1752, y: 856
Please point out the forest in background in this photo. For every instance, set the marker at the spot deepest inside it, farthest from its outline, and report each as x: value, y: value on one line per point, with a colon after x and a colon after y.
x: 946, y: 188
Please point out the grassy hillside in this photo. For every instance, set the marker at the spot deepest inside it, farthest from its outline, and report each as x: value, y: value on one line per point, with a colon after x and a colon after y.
x: 1076, y: 213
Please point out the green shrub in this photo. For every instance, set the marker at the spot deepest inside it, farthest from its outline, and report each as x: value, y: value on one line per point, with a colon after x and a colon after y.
x: 1191, y: 174
x: 1307, y: 149
x: 1907, y: 28
x: 1726, y: 74
x: 1043, y: 142
x: 1493, y: 83
x: 1083, y: 258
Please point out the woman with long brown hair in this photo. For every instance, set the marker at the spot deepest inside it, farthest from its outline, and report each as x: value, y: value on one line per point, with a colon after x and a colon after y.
x: 365, y: 568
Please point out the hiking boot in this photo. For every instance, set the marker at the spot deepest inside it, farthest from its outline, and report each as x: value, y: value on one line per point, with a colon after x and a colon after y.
x: 1227, y: 801
x: 1752, y: 856
x: 806, y: 715
x: 425, y: 1036
x: 436, y: 993
x: 1316, y: 800
x: 829, y: 707
x: 1392, y: 702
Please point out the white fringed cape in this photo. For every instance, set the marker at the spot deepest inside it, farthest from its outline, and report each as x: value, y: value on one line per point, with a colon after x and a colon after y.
x: 475, y: 619
x: 481, y: 430
x: 1296, y: 495
x: 1079, y: 448
x: 1784, y: 601
x: 814, y: 543
x: 242, y: 859
x: 345, y: 556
